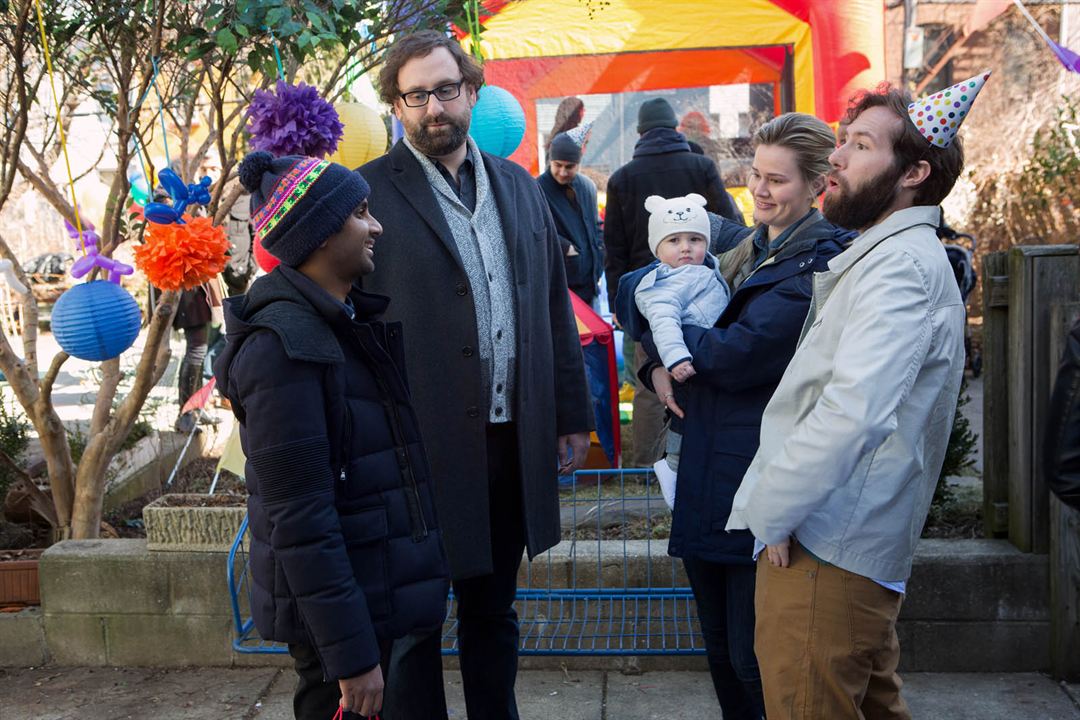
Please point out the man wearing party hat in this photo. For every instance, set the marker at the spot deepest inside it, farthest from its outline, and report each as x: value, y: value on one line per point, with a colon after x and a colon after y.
x: 571, y: 197
x: 853, y: 440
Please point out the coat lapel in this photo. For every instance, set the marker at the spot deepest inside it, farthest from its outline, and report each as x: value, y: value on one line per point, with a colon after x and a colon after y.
x: 409, y: 178
x: 502, y: 186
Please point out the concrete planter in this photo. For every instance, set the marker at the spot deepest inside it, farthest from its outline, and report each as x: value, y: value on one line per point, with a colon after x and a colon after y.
x: 19, y: 578
x: 193, y: 523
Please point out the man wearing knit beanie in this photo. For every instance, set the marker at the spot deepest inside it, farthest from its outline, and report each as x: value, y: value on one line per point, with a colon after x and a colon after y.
x: 662, y: 165
x: 310, y: 369
x: 655, y: 113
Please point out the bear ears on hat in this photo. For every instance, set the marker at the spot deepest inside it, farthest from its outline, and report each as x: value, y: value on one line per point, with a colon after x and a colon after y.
x: 253, y: 167
x: 655, y: 203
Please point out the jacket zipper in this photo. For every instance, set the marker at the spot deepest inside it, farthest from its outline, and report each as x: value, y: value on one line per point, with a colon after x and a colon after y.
x: 417, y: 523
x: 346, y: 460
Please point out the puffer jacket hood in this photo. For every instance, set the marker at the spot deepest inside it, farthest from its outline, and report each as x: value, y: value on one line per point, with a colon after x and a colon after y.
x: 299, y: 313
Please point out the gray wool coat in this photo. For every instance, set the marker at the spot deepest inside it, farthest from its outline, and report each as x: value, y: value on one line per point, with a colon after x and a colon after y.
x: 418, y: 265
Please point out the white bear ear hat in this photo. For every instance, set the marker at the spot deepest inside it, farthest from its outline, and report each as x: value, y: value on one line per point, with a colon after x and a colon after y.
x: 677, y: 215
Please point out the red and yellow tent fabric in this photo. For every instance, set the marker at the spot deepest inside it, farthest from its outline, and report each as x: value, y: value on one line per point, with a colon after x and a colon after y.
x: 817, y: 53
x: 598, y: 348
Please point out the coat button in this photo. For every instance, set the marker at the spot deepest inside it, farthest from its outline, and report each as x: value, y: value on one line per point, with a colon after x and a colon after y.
x: 461, y: 289
x: 466, y: 351
x: 472, y: 411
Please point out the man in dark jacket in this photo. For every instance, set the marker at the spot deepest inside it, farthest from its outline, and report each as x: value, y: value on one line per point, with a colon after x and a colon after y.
x: 663, y: 165
x: 1061, y: 454
x: 476, y: 273
x: 345, y: 552
x: 571, y: 197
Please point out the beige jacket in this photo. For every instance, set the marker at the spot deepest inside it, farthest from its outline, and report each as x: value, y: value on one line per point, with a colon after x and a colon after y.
x: 853, y: 440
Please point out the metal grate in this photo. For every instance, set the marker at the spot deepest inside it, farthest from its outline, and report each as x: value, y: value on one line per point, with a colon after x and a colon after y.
x: 608, y: 588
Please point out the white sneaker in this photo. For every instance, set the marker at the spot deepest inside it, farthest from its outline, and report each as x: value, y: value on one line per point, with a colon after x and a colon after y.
x: 667, y: 477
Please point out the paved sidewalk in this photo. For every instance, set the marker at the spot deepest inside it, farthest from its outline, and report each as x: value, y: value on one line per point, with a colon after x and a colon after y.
x: 50, y: 693
x: 77, y: 384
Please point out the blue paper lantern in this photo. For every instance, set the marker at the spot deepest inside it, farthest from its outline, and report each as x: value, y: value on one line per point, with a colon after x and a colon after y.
x: 96, y: 320
x: 498, y: 122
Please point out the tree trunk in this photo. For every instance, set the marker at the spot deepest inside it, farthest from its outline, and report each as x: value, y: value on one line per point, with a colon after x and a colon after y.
x: 102, y: 445
x: 90, y: 488
x: 61, y: 469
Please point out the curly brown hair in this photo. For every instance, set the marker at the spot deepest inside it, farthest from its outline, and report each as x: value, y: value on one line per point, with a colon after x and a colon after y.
x: 909, y: 146
x: 422, y: 44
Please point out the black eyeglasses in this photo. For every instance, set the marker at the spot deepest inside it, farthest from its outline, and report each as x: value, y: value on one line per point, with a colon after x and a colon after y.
x: 445, y: 93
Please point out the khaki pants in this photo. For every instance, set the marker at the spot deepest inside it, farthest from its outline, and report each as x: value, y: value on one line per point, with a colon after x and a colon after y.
x: 826, y: 642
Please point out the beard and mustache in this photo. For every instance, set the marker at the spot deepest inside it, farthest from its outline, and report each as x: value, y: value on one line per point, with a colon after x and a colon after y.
x: 440, y: 142
x: 859, y: 208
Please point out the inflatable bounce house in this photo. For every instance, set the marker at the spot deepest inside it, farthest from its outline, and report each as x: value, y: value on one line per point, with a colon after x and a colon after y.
x: 815, y: 54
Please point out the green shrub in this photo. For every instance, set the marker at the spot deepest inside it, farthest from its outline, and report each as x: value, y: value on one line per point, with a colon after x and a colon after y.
x: 77, y: 441
x: 959, y: 456
x: 14, y: 437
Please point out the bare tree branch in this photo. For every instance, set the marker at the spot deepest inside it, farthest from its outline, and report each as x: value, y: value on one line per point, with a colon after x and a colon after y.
x: 28, y: 312
x: 157, y: 333
x: 110, y: 381
x: 50, y: 375
x: 228, y: 199
x: 48, y: 190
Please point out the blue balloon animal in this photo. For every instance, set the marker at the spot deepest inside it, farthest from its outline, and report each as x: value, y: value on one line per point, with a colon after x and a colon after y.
x: 182, y: 195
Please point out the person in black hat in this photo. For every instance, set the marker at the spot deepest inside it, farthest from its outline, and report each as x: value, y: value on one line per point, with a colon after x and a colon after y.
x: 345, y: 551
x: 571, y: 197
x: 662, y: 165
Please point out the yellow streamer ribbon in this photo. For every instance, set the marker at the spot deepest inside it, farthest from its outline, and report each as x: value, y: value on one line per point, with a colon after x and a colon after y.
x: 59, y: 124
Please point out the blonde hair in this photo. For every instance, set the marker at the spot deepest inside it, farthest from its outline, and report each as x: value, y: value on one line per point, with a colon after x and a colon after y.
x: 809, y: 138
x: 812, y: 141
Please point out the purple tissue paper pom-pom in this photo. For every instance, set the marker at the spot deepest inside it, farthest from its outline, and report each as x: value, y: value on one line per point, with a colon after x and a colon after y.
x: 294, y: 121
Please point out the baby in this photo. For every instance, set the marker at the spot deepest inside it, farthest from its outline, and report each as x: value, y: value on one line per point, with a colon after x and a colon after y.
x: 685, y: 287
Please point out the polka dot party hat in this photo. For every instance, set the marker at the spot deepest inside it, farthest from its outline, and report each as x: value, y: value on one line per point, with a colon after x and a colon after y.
x: 938, y: 116
x: 580, y: 134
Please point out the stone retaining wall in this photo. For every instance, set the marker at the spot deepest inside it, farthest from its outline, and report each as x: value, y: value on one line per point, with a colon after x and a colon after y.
x: 977, y: 605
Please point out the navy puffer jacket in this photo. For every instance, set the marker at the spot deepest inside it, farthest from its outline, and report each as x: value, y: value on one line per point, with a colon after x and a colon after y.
x: 739, y: 363
x: 345, y: 551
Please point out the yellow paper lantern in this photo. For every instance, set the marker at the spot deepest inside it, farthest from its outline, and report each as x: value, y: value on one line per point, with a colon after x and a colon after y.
x: 364, y: 138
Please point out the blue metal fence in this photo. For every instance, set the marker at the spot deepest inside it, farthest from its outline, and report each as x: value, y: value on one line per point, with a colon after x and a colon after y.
x: 608, y: 588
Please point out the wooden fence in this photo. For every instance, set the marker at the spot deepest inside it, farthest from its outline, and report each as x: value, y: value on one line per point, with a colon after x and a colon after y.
x: 1030, y: 299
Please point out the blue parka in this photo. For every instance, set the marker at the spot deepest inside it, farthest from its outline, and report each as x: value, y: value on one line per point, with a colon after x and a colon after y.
x: 345, y: 551
x: 739, y: 363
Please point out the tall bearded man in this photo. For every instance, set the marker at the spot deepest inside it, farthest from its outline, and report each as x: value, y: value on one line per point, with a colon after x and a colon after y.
x: 476, y: 272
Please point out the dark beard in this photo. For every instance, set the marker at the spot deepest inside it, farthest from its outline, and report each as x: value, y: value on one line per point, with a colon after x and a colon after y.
x: 438, y: 146
x: 859, y: 209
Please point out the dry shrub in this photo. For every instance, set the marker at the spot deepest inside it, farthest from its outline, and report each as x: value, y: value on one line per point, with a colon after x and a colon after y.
x: 1021, y: 184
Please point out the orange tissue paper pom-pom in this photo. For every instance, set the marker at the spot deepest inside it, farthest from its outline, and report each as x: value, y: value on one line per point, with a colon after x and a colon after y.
x: 181, y: 257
